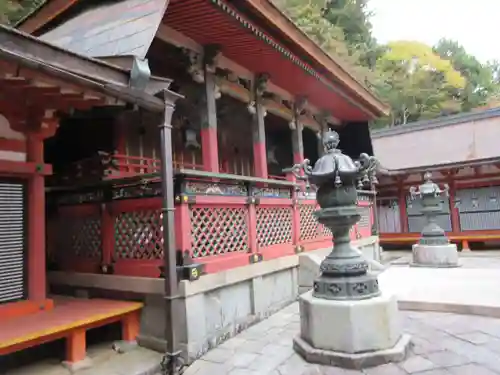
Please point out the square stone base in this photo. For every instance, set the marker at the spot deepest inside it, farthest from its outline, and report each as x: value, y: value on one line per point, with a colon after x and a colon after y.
x: 350, y: 333
x: 355, y: 361
x: 435, y: 256
x: 77, y: 366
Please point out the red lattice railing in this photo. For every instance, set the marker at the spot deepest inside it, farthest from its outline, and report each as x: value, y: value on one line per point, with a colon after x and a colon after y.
x: 274, y: 226
x: 220, y: 231
x: 310, y: 229
x: 139, y: 235
x: 81, y: 239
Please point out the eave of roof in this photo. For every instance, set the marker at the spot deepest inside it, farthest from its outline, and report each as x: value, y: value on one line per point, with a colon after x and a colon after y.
x: 440, y: 167
x: 278, y: 20
x: 89, y: 73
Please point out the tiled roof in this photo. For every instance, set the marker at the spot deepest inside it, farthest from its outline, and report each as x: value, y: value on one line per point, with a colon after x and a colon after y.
x: 115, y: 29
x: 448, y: 140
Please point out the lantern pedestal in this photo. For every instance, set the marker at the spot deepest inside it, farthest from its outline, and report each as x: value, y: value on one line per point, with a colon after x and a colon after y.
x: 345, y: 320
x: 433, y: 248
x: 437, y: 256
x: 351, y: 334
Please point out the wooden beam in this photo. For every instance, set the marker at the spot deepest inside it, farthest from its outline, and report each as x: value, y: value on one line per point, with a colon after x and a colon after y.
x: 48, y: 11
x: 119, y: 91
x: 173, y: 37
x: 15, y: 168
x: 268, y: 12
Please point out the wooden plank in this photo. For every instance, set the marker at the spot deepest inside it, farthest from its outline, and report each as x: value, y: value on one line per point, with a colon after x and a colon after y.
x: 67, y: 315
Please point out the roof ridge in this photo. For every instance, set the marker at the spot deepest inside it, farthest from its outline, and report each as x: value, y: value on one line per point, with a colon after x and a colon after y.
x: 436, y: 122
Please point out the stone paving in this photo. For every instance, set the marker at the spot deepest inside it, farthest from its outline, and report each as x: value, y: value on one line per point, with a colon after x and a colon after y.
x: 443, y: 344
x: 105, y: 361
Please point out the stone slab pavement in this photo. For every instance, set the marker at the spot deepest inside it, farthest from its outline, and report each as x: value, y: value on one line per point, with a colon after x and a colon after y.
x: 443, y: 344
x: 106, y: 361
x: 472, y: 288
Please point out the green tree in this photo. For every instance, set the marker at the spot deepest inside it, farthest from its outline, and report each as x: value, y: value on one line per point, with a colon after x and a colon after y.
x: 310, y: 17
x: 11, y: 11
x: 480, y: 81
x: 7, y: 9
x: 417, y: 83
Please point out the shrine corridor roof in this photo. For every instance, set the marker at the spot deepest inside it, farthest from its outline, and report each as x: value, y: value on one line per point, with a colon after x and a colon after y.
x: 464, y: 139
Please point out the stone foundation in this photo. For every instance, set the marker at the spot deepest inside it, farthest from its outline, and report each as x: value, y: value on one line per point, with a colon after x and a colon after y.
x: 213, y: 308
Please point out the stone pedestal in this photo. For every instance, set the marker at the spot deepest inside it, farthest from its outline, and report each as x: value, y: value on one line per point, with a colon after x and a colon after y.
x: 351, y: 334
x: 437, y: 256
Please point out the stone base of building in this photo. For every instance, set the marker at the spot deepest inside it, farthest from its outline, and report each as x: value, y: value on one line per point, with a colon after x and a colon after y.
x: 351, y: 334
x: 437, y: 256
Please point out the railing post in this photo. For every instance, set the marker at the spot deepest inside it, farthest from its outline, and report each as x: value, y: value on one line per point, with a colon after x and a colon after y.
x: 187, y: 267
x: 295, y: 215
x: 454, y: 213
x: 182, y: 220
x: 252, y: 226
x: 403, y: 212
x: 107, y: 239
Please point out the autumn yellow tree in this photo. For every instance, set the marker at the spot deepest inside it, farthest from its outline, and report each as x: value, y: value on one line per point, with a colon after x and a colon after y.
x: 417, y: 82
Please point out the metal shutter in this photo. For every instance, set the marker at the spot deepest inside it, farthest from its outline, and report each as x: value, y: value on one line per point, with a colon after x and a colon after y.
x: 12, y: 242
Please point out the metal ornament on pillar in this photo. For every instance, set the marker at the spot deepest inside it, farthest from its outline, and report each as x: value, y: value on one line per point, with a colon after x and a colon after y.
x: 432, y: 204
x: 344, y: 272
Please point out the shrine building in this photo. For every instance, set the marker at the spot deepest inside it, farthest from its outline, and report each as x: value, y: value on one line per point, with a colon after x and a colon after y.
x: 461, y: 151
x: 252, y: 96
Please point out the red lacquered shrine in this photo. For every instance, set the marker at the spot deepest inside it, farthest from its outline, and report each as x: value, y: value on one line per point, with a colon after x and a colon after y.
x: 257, y: 95
x: 39, y: 85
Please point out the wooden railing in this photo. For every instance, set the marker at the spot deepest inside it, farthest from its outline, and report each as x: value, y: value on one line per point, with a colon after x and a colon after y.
x: 223, y: 224
x: 106, y: 166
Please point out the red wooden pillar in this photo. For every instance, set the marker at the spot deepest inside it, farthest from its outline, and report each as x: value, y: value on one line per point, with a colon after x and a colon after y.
x: 209, y: 146
x: 182, y: 219
x: 119, y: 132
x: 403, y: 212
x: 36, y: 223
x: 297, y: 143
x: 455, y: 216
x: 295, y: 213
x: 259, y: 142
x: 259, y: 128
x: 107, y: 236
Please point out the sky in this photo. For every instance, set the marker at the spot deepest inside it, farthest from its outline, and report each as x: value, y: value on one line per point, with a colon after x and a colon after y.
x: 473, y: 23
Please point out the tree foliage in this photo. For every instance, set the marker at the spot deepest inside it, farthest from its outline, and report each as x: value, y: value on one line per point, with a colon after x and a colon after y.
x: 480, y: 84
x: 418, y: 81
x: 12, y: 11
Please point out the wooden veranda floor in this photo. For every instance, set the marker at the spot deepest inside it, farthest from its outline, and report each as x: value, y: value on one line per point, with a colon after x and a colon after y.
x: 69, y: 319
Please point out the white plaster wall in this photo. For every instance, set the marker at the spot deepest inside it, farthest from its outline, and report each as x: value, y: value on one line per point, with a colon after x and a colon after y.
x: 13, y: 156
x: 7, y: 133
